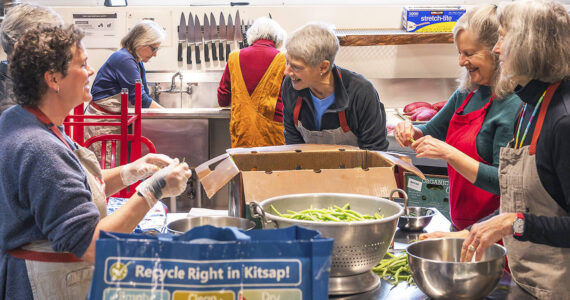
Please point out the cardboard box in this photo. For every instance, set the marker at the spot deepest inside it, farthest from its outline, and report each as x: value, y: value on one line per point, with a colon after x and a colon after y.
x: 256, y: 174
x: 430, y: 18
x: 433, y: 191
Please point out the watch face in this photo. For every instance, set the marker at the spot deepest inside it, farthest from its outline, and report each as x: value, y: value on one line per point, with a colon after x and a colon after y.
x: 518, y: 226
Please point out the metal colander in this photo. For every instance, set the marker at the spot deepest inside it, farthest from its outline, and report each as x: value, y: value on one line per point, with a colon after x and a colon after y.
x: 358, y: 246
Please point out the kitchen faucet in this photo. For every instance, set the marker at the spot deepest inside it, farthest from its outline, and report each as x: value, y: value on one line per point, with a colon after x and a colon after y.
x: 173, y: 84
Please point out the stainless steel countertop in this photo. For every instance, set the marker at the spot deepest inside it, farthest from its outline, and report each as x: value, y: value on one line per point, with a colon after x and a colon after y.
x: 403, y: 291
x: 185, y: 113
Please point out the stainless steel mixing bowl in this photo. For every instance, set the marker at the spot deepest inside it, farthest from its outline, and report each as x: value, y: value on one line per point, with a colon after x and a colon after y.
x: 436, y: 269
x: 420, y: 219
x: 182, y: 225
x: 358, y: 246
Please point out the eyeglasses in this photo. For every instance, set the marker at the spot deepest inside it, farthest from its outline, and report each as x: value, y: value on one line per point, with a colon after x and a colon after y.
x: 154, y: 49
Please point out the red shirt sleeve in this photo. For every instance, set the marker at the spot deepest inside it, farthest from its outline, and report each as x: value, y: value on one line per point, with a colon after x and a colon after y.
x: 224, y: 89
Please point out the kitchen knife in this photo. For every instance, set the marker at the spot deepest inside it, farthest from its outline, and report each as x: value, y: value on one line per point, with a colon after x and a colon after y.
x: 181, y: 35
x: 229, y: 35
x: 197, y: 38
x: 189, y: 39
x: 213, y: 35
x: 206, y: 38
x: 238, y: 36
x: 222, y: 35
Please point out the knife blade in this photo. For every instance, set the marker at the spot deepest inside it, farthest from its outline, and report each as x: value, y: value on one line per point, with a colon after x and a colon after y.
x: 189, y: 39
x: 197, y: 38
x: 181, y: 35
x: 243, y: 42
x: 238, y: 36
x: 213, y: 35
x: 229, y: 35
x: 206, y: 38
x: 222, y: 35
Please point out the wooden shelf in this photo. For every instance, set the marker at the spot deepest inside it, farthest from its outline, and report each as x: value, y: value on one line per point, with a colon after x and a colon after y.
x: 375, y: 37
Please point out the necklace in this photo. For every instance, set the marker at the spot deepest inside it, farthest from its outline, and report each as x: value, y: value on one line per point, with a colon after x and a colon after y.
x: 529, y: 121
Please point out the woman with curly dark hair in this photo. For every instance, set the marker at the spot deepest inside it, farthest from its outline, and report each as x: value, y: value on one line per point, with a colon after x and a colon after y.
x: 50, y: 188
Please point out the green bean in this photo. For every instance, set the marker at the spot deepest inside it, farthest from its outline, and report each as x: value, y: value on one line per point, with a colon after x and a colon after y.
x: 394, y: 268
x: 331, y: 214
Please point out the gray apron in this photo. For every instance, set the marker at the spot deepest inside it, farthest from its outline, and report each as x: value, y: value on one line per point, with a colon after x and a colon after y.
x: 541, y: 270
x: 338, y: 136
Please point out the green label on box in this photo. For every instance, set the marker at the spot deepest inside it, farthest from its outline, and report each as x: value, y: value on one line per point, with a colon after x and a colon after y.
x: 431, y: 192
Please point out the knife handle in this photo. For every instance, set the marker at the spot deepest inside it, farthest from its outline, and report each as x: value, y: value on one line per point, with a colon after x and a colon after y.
x: 188, y: 54
x: 228, y: 50
x: 197, y: 53
x: 221, y: 50
x: 179, y: 51
x: 241, y: 45
x: 214, y: 55
x: 206, y: 52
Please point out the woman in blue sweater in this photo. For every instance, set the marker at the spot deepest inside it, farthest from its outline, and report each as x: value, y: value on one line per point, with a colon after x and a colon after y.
x: 120, y: 71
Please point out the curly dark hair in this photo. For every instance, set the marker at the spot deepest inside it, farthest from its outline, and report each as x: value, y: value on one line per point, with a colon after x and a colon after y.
x: 41, y: 50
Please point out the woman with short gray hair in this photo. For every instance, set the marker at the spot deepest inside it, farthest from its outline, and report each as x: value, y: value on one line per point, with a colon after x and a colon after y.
x: 251, y: 83
x: 17, y: 21
x: 122, y: 70
x: 534, y: 172
x: 326, y: 104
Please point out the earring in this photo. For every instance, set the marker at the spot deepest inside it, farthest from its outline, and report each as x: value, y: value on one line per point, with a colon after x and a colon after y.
x: 57, y: 91
x: 321, y: 74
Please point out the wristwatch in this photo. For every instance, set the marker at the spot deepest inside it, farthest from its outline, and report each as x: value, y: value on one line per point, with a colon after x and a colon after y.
x: 518, y: 225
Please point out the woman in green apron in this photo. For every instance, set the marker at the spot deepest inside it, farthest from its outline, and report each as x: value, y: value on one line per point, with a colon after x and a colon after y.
x: 534, y: 169
x: 49, y: 220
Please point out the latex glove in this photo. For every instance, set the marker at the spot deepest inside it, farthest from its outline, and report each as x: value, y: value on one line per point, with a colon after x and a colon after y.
x: 404, y: 133
x: 167, y: 182
x: 144, y: 167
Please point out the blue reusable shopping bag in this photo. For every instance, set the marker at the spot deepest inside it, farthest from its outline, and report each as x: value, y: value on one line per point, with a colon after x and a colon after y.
x: 213, y: 263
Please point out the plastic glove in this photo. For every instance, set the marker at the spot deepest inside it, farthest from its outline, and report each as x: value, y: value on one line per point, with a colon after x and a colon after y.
x: 167, y: 182
x: 144, y: 167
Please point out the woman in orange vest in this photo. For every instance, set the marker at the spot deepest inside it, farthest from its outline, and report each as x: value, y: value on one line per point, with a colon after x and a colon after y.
x: 251, y: 83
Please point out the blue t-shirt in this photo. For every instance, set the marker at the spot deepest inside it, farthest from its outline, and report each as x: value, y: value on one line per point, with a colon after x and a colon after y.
x: 321, y: 105
x: 118, y: 72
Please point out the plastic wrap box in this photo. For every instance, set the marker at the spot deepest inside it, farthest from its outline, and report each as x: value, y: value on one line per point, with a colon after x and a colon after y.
x: 430, y: 18
x: 430, y: 192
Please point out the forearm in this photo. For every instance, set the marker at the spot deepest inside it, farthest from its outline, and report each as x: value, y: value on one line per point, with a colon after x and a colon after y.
x: 463, y: 164
x: 488, y: 179
x: 112, y: 179
x: 547, y: 230
x: 124, y: 220
x: 153, y: 104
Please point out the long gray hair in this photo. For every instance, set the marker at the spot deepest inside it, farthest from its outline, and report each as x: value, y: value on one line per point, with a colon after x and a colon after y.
x: 22, y: 18
x: 144, y: 33
x: 313, y: 43
x: 536, y: 44
x: 483, y: 22
x: 266, y: 29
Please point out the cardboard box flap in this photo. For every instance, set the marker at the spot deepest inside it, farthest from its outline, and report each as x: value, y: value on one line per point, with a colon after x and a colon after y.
x: 213, y: 180
x: 259, y: 185
x: 402, y: 163
x: 292, y: 148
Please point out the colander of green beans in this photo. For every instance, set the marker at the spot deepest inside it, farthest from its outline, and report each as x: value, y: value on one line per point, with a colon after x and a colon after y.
x: 362, y: 228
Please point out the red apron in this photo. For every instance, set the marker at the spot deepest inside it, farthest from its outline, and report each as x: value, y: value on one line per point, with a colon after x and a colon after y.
x: 467, y: 202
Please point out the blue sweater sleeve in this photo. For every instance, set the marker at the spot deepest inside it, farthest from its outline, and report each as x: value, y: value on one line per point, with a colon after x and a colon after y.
x: 127, y: 73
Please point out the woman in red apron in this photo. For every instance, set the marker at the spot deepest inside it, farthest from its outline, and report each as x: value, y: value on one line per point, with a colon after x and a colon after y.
x: 534, y: 170
x: 50, y: 220
x: 470, y: 129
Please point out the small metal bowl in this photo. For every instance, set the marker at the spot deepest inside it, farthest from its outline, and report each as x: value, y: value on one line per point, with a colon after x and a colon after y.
x: 415, y: 218
x: 182, y: 225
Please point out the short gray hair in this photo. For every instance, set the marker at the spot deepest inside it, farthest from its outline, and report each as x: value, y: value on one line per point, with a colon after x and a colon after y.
x: 483, y: 22
x: 313, y: 43
x: 266, y: 29
x: 144, y: 33
x: 536, y: 44
x: 22, y: 18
